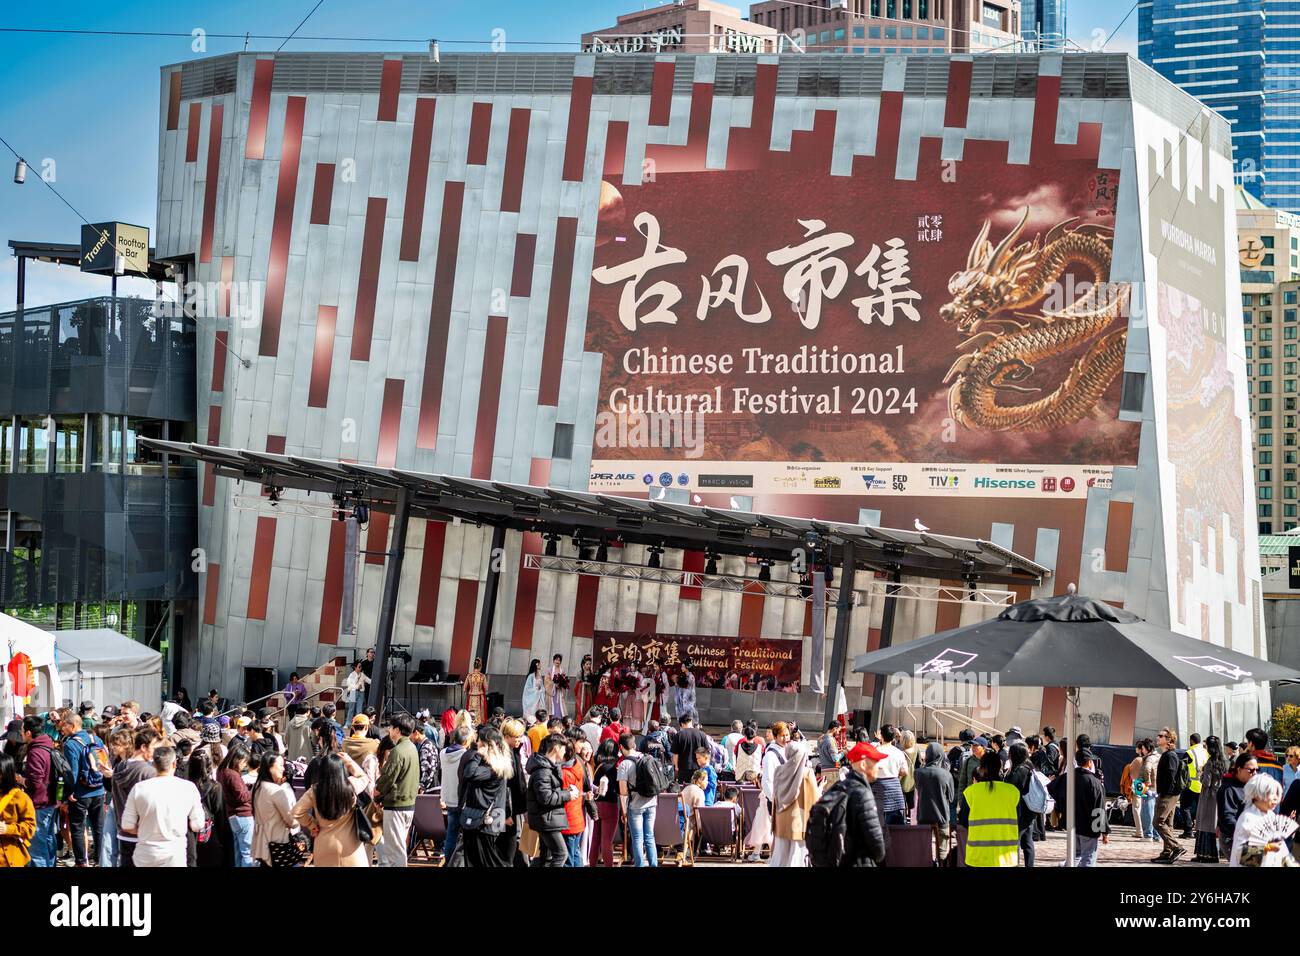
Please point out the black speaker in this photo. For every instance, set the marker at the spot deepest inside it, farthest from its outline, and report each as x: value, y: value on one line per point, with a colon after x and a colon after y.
x: 495, y: 699
x: 435, y: 665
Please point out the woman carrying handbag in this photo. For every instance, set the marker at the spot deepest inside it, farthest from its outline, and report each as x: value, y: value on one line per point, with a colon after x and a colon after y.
x: 485, y: 811
x: 333, y: 811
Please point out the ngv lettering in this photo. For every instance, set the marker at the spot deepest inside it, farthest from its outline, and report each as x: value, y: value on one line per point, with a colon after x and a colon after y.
x: 78, y: 910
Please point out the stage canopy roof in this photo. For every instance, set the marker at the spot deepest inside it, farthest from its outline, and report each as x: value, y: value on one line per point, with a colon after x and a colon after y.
x: 593, y: 517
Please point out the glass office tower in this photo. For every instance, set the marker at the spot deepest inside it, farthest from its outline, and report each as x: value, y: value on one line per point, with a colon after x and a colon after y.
x: 1221, y: 52
x: 1042, y: 22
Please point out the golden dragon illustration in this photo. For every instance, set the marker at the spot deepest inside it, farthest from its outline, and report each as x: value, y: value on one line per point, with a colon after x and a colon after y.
x: 1009, y: 301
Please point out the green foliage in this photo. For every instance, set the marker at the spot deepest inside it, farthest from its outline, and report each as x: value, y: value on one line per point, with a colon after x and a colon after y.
x: 1286, y: 725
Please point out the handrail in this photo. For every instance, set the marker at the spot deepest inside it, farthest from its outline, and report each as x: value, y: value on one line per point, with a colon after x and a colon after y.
x: 245, y: 704
x: 281, y: 710
x: 941, y: 712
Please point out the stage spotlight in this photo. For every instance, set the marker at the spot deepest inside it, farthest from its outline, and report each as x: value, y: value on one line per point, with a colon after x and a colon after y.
x: 361, y: 512
x: 654, y: 557
x: 602, y: 553
x: 712, y: 566
x: 765, y: 570
x: 552, y: 546
x: 829, y: 574
x: 273, y: 492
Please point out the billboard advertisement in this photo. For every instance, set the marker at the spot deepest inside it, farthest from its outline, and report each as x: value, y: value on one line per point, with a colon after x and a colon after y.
x: 785, y: 330
x: 1205, y: 429
x: 732, y: 663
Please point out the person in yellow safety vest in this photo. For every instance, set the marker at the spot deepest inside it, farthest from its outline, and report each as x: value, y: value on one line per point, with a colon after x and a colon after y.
x: 1191, y: 797
x: 988, y: 812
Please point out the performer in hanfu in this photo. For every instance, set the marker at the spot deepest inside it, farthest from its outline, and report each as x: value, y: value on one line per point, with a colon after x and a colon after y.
x: 557, y: 683
x: 659, y: 690
x: 606, y: 693
x: 534, y: 696
x: 476, y: 693
x: 644, y: 700
x: 584, y: 694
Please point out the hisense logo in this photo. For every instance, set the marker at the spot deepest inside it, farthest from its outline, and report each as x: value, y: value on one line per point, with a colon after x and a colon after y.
x: 78, y: 910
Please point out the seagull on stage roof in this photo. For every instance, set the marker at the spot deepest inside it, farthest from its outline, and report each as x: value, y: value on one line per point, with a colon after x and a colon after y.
x: 916, y: 523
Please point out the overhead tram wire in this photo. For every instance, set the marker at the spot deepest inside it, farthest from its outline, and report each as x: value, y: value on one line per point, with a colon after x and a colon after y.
x: 299, y: 26
x: 116, y: 250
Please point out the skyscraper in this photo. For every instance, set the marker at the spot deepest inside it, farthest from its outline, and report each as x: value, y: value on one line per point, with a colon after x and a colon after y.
x: 1218, y: 53
x: 1043, y: 22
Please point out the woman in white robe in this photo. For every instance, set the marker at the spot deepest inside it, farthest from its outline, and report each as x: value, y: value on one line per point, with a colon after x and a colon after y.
x: 534, y: 696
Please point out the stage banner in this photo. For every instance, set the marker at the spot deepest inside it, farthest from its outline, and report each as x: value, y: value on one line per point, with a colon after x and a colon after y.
x: 734, y: 663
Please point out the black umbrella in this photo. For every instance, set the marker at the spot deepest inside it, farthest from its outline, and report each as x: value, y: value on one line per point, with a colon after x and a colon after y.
x: 1071, y: 641
x: 1076, y: 641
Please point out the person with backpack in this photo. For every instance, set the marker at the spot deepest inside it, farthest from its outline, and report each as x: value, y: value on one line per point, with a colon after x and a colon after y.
x: 641, y: 778
x: 936, y: 793
x: 1021, y: 776
x: 46, y: 778
x: 1171, y: 781
x: 844, y: 827
x: 88, y: 759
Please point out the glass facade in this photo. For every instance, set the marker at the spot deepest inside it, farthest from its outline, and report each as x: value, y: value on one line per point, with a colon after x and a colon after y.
x: 1043, y: 22
x: 1217, y: 51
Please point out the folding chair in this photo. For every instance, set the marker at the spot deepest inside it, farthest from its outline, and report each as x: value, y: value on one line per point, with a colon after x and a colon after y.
x: 750, y: 797
x: 717, y: 826
x: 429, y: 825
x: 910, y: 846
x: 668, y: 833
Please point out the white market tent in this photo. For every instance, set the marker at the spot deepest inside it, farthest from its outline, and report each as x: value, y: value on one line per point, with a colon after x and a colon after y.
x: 103, y: 666
x: 20, y: 637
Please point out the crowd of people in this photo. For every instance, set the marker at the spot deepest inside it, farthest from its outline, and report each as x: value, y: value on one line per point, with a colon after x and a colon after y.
x: 206, y: 788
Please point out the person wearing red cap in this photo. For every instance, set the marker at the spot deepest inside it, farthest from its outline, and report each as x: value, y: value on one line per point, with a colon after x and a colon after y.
x: 865, y: 840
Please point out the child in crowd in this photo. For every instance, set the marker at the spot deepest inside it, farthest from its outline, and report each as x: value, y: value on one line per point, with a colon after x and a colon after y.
x: 710, y: 787
x: 693, y: 793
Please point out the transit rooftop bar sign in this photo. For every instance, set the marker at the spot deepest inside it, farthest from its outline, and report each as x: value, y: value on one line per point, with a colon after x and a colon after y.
x: 102, y: 243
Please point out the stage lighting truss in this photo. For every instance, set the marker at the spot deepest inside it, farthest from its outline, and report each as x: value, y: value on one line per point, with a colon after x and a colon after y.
x: 874, y: 589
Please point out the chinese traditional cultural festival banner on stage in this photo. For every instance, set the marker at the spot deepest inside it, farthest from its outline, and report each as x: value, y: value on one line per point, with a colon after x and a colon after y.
x: 734, y: 663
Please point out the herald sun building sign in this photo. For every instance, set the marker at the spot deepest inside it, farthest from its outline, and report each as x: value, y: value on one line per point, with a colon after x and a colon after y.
x: 667, y: 38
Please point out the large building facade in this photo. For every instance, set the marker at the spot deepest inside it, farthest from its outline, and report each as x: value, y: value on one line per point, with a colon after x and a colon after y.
x: 686, y: 26
x: 902, y: 27
x: 487, y: 266
x: 1268, y: 252
x: 94, y: 530
x: 1240, y: 58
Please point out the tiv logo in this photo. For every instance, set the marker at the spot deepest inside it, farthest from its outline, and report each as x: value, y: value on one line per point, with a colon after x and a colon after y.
x: 944, y: 481
x: 78, y: 910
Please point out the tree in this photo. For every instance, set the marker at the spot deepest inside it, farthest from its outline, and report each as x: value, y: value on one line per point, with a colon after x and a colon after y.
x: 1286, y: 724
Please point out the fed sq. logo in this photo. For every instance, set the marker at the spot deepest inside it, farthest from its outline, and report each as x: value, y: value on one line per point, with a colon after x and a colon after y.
x: 945, y: 661
x: 1215, y: 666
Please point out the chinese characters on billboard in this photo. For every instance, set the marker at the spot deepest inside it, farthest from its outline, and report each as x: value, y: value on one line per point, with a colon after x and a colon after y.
x: 732, y: 663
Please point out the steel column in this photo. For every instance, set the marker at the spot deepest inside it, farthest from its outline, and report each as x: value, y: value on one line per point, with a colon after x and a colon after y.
x: 388, y: 605
x: 496, y: 557
x: 843, y: 617
x: 886, y: 640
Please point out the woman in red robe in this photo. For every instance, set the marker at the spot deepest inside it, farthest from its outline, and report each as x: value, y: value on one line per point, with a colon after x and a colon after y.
x: 606, y: 692
x: 584, y: 692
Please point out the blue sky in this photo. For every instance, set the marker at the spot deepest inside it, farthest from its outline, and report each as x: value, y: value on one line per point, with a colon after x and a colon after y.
x: 90, y: 103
